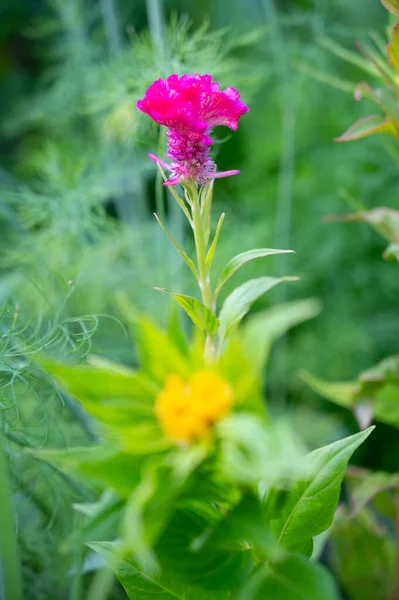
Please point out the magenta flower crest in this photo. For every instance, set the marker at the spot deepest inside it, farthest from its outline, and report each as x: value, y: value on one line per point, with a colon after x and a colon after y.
x: 190, y: 106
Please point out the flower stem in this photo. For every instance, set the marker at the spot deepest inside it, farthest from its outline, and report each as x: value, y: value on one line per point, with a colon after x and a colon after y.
x: 200, y: 246
x: 10, y: 580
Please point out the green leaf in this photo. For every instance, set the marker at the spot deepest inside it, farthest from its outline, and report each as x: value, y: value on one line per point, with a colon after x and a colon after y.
x: 393, y: 48
x: 392, y: 252
x: 206, y: 205
x: 235, y: 263
x: 392, y: 6
x: 159, y: 355
x: 211, y: 566
x: 376, y: 390
x: 189, y: 262
x: 262, y: 329
x: 369, y: 486
x: 114, y: 394
x: 239, y: 302
x: 368, y: 126
x: 140, y: 585
x: 252, y: 451
x: 200, y: 315
x: 340, y: 392
x: 384, y: 220
x: 99, y: 466
x: 307, y: 508
x: 211, y: 251
x: 290, y: 577
x: 363, y: 557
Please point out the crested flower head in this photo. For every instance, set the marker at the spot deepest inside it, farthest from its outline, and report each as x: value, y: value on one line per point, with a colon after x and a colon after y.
x: 190, y: 106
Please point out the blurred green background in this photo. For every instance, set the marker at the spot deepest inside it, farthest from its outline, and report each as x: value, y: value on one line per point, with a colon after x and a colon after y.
x: 77, y: 193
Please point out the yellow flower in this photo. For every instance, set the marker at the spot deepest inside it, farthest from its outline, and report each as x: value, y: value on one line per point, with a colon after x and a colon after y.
x: 186, y: 410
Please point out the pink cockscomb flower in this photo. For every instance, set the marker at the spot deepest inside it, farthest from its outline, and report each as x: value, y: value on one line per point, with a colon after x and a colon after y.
x: 190, y: 106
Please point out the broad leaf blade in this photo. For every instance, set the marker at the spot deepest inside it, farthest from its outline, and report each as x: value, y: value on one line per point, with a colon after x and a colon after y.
x: 238, y: 303
x: 238, y: 261
x: 140, y: 585
x: 197, y: 311
x: 262, y: 329
x: 308, y: 508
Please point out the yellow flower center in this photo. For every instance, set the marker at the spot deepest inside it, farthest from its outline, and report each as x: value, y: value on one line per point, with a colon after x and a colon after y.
x: 186, y: 410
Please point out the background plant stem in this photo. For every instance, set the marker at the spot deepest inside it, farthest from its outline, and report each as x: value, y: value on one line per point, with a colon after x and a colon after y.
x: 10, y: 578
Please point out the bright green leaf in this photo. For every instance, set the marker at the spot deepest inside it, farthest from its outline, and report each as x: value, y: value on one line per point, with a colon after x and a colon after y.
x: 113, y: 394
x: 308, y: 507
x: 211, y: 251
x: 239, y: 302
x: 290, y: 577
x: 197, y: 311
x: 159, y: 355
x: 98, y: 466
x: 235, y: 263
x: 252, y: 451
x: 340, y: 392
x: 393, y: 48
x: 262, y: 329
x: 368, y: 126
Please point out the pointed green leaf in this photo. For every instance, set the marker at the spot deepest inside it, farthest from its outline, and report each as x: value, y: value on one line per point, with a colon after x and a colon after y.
x: 100, y: 466
x: 384, y: 220
x: 113, y: 394
x: 198, y: 312
x: 392, y: 6
x: 308, y: 508
x: 206, y: 205
x: 159, y: 355
x: 340, y: 392
x: 140, y: 585
x: 175, y: 195
x: 290, y: 577
x: 183, y: 254
x: 239, y: 260
x: 211, y: 251
x: 368, y: 126
x: 239, y: 302
x: 393, y: 48
x: 392, y: 252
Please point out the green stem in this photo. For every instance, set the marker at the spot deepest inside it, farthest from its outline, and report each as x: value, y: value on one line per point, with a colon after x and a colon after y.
x: 10, y: 578
x: 201, y: 250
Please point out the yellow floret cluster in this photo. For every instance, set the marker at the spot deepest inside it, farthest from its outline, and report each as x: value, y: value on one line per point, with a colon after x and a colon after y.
x: 187, y: 409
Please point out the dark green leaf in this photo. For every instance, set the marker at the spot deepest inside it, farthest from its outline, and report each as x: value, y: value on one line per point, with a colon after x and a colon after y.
x: 140, y: 585
x: 363, y: 557
x: 290, y: 577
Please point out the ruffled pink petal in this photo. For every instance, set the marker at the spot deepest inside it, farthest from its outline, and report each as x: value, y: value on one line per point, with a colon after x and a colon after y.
x: 159, y: 162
